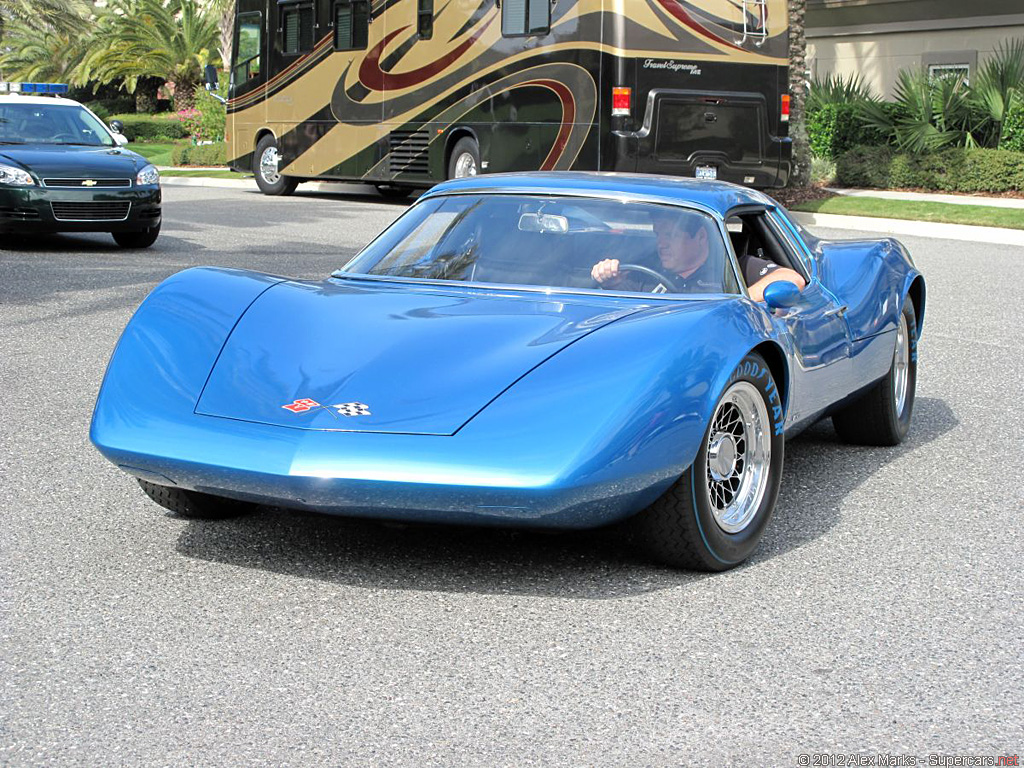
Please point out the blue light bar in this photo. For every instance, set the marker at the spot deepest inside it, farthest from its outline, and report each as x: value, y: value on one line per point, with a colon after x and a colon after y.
x: 53, y: 88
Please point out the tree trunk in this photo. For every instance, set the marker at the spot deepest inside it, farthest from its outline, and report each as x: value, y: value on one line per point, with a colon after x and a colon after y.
x: 227, y: 35
x: 146, y: 90
x: 800, y: 176
x: 184, y: 94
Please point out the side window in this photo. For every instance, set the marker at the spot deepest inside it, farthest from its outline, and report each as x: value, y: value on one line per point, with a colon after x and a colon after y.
x: 297, y: 28
x: 248, y: 44
x: 425, y: 19
x: 351, y: 24
x: 765, y: 238
x: 525, y: 17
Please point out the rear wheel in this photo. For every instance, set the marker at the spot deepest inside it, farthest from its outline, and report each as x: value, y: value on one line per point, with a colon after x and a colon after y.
x: 192, y: 504
x: 465, y: 159
x: 142, y: 238
x: 713, y: 517
x: 268, y: 177
x: 882, y: 416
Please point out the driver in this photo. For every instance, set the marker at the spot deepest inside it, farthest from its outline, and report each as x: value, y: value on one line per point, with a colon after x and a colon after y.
x: 684, y: 249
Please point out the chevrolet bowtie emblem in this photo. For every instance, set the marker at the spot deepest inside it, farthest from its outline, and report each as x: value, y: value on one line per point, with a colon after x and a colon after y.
x: 88, y: 183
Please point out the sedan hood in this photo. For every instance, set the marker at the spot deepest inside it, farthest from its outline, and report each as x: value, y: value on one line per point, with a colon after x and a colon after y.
x: 359, y: 356
x: 66, y: 161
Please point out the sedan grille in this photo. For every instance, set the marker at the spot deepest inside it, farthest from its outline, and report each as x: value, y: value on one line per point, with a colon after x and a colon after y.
x: 87, y: 183
x: 90, y: 211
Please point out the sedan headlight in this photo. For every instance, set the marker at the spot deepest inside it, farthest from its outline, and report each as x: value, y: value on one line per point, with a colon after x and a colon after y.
x: 148, y: 175
x: 16, y: 176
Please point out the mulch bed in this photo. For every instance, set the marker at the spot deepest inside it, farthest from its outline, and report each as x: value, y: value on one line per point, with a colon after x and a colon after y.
x: 790, y: 196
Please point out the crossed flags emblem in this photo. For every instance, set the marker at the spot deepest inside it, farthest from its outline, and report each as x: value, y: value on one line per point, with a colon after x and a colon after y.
x: 339, y: 409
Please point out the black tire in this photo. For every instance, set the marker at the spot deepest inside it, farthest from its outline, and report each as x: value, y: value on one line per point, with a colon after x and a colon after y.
x: 392, y: 192
x: 465, y: 147
x: 268, y: 182
x: 195, y: 505
x: 142, y: 238
x: 876, y: 418
x: 681, y: 528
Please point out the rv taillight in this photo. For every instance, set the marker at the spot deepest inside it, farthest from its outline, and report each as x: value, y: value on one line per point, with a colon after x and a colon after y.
x: 785, y: 107
x: 620, y: 101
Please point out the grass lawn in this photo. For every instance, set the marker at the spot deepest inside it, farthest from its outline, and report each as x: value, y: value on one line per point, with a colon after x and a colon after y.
x: 225, y: 174
x: 946, y: 213
x: 157, y: 154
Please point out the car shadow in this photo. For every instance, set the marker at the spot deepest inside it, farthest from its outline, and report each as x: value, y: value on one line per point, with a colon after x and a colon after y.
x: 592, y: 565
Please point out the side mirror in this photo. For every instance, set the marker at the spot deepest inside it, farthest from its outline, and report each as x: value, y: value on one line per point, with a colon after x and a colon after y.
x: 117, y: 126
x: 120, y: 139
x: 781, y: 295
x: 210, y: 75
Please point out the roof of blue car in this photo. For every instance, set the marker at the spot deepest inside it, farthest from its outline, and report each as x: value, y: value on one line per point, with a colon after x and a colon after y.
x: 719, y: 196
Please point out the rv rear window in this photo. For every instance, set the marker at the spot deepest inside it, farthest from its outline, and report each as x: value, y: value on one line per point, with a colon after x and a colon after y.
x: 351, y: 22
x: 297, y: 24
x: 525, y: 17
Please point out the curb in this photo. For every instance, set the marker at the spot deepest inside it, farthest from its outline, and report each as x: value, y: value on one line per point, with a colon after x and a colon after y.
x: 969, y: 233
x: 337, y: 187
x: 966, y: 232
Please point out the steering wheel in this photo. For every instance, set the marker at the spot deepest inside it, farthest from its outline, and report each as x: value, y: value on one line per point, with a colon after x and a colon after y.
x: 58, y: 136
x: 663, y: 279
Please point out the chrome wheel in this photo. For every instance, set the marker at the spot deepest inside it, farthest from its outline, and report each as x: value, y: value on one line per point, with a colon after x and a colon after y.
x: 268, y: 165
x: 739, y: 455
x: 901, y: 366
x: 465, y: 165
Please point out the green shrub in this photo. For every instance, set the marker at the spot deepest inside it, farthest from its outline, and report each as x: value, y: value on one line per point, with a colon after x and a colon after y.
x: 151, y: 128
x: 955, y: 169
x: 834, y: 128
x: 1013, y: 127
x: 202, y: 154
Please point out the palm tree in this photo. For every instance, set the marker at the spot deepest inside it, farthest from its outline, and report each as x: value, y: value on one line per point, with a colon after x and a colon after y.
x: 29, y: 21
x: 170, y: 39
x: 42, y: 53
x: 798, y: 76
x: 225, y: 12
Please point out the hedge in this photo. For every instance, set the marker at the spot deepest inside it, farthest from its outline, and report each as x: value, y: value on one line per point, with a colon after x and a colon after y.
x: 836, y: 128
x: 152, y: 128
x: 955, y: 169
x: 1013, y: 128
x: 202, y: 154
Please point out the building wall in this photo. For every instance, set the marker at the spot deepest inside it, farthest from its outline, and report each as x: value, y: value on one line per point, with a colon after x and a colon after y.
x: 877, y: 38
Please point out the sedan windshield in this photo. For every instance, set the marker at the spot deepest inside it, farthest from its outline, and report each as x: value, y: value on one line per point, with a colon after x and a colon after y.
x: 553, y: 242
x: 34, y: 123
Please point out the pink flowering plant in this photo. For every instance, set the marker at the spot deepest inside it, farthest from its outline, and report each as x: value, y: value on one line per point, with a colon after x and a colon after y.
x: 192, y: 119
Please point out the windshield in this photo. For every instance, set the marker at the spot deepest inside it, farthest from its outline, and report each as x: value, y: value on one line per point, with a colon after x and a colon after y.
x: 553, y: 242
x: 28, y: 123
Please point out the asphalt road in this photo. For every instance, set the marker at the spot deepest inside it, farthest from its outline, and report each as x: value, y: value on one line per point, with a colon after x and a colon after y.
x: 881, y: 614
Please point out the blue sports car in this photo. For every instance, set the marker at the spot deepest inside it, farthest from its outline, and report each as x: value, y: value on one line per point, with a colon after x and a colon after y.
x: 467, y: 367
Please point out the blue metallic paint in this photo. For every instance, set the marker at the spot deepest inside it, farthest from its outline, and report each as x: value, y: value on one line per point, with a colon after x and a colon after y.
x: 561, y: 409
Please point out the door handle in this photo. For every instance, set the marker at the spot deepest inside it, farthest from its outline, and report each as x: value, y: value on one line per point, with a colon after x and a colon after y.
x: 837, y: 311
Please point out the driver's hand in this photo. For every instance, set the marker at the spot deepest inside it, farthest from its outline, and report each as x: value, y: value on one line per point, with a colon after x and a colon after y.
x: 606, y: 271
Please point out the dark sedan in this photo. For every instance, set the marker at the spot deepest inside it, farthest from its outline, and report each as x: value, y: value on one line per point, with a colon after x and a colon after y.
x: 63, y: 170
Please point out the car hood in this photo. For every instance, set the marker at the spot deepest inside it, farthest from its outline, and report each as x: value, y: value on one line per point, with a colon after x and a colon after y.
x: 383, y: 358
x: 51, y: 160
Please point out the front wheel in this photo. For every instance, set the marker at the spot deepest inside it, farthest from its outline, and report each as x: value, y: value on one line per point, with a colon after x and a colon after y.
x: 713, y: 517
x: 194, y: 505
x: 882, y: 415
x: 465, y: 159
x: 268, y: 178
x: 142, y: 238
